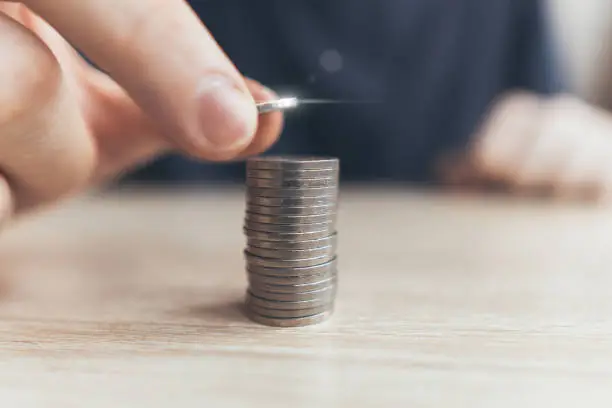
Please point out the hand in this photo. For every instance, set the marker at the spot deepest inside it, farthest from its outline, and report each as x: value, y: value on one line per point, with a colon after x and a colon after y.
x: 559, y: 147
x: 64, y: 125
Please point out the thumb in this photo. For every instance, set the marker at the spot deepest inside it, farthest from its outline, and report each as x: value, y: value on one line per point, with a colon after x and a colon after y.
x: 163, y: 56
x: 127, y: 139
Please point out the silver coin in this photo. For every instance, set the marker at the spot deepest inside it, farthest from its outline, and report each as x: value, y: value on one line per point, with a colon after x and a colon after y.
x: 277, y: 105
x: 289, y: 322
x: 311, y: 210
x: 286, y: 263
x: 287, y: 236
x: 292, y: 163
x: 327, y: 293
x: 315, y: 192
x: 288, y: 183
x: 289, y: 254
x: 326, y: 268
x: 291, y: 280
x: 330, y: 228
x: 292, y: 174
x: 292, y: 202
x: 259, y: 282
x: 331, y: 240
x: 292, y: 314
x: 292, y: 219
x: 285, y: 305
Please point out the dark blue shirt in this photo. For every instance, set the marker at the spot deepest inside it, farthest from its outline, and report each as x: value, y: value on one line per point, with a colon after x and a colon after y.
x: 432, y: 67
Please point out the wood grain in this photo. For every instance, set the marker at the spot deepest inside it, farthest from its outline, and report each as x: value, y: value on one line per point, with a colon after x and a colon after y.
x: 132, y: 300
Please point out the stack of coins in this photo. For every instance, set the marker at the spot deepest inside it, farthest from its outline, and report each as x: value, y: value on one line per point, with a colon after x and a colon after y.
x: 291, y: 235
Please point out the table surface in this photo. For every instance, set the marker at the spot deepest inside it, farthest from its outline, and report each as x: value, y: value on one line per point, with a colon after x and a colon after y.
x: 133, y: 300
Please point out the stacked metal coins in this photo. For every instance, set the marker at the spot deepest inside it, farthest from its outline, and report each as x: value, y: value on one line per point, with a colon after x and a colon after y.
x: 290, y: 228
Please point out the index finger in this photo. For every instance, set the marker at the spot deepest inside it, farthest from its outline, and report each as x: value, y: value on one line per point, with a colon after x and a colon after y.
x: 168, y: 62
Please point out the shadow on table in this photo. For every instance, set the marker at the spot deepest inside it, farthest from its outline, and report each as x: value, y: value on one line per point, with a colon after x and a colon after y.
x: 225, y: 312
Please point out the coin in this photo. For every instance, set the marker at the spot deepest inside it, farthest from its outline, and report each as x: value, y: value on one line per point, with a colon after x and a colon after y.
x: 292, y: 219
x: 330, y: 240
x: 291, y: 280
x: 285, y: 210
x: 286, y: 236
x: 292, y: 163
x: 326, y: 268
x: 291, y: 174
x: 327, y: 295
x: 277, y: 105
x: 256, y: 281
x: 290, y: 254
x: 289, y: 322
x: 286, y: 263
x: 291, y: 228
x: 291, y: 183
x: 285, y: 305
x: 292, y: 202
x: 294, y: 314
x: 313, y: 192
x: 320, y: 294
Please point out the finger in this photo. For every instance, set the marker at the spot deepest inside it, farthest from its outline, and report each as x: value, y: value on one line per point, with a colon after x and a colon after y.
x: 604, y: 192
x: 127, y: 138
x: 13, y: 10
x: 270, y: 125
x: 64, y: 53
x: 583, y: 175
x: 554, y: 140
x: 169, y: 64
x: 586, y: 168
x: 7, y: 204
x: 73, y: 67
x: 45, y: 148
x: 124, y: 135
x: 506, y: 135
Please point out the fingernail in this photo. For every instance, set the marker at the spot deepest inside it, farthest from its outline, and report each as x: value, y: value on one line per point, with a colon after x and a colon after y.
x: 270, y: 93
x: 227, y: 115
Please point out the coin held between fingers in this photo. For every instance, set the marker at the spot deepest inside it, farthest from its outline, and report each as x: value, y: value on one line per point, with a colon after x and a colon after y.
x: 277, y: 105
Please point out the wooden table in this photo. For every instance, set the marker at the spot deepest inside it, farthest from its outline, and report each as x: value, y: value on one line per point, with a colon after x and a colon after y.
x: 133, y: 300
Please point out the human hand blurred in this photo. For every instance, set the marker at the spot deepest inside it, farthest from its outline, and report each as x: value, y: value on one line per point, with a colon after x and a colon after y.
x: 558, y: 147
x: 65, y: 125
